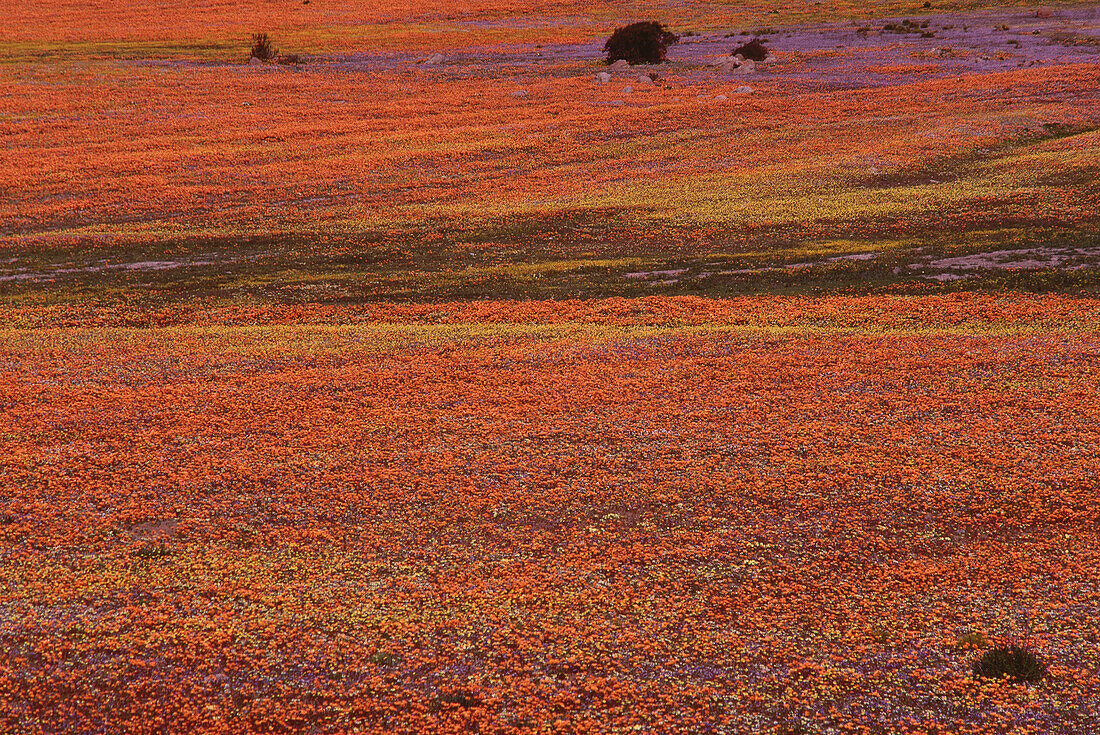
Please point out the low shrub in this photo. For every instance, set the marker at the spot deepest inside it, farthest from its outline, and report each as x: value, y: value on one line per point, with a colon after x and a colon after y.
x: 972, y: 639
x: 385, y: 658
x: 882, y: 635
x: 754, y: 50
x: 639, y: 43
x: 152, y: 551
x: 1010, y: 662
x: 262, y: 48
x: 460, y: 698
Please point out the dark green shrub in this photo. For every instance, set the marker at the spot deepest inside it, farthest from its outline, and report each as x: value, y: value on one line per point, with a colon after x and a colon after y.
x: 385, y: 658
x: 639, y: 43
x: 754, y: 50
x: 262, y: 48
x: 152, y: 551
x: 1012, y: 662
x: 460, y: 698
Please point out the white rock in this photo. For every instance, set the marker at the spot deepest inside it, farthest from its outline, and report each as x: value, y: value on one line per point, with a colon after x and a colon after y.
x: 620, y: 64
x: 645, y: 79
x: 255, y: 62
x: 748, y: 66
x: 603, y: 78
x: 721, y: 98
x: 520, y: 93
x: 628, y: 90
x: 744, y: 90
x: 771, y: 58
x: 433, y: 59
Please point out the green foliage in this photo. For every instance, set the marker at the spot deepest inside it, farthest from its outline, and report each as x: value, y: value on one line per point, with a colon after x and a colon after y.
x: 262, y: 48
x: 152, y: 551
x: 972, y: 639
x: 640, y: 43
x: 754, y: 50
x: 882, y: 635
x: 460, y: 698
x: 385, y: 658
x: 1013, y: 662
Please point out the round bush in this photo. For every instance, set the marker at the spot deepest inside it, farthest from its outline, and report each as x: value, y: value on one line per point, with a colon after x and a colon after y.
x: 1012, y: 662
x: 639, y: 43
x: 754, y: 50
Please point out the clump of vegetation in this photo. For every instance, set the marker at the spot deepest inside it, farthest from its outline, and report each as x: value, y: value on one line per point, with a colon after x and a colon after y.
x: 262, y: 48
x: 385, y: 658
x: 909, y: 26
x: 1018, y: 663
x: 294, y: 59
x: 152, y: 551
x: 640, y: 43
x: 460, y: 698
x: 754, y: 50
x: 972, y: 639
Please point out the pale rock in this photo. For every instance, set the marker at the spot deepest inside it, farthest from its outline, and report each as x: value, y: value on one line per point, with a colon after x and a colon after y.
x: 721, y: 98
x: 628, y: 90
x: 255, y: 62
x: 744, y: 90
x: 603, y: 78
x: 520, y: 93
x: 433, y: 59
x: 620, y: 64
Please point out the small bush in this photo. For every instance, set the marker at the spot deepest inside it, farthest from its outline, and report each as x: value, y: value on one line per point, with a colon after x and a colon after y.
x: 754, y: 50
x: 294, y: 59
x: 152, y: 551
x: 972, y: 639
x: 460, y: 698
x: 639, y: 43
x: 385, y: 658
x: 882, y: 635
x: 1012, y: 662
x: 262, y: 48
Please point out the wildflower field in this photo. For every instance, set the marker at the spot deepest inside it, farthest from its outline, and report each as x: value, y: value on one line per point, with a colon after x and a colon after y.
x: 423, y: 380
